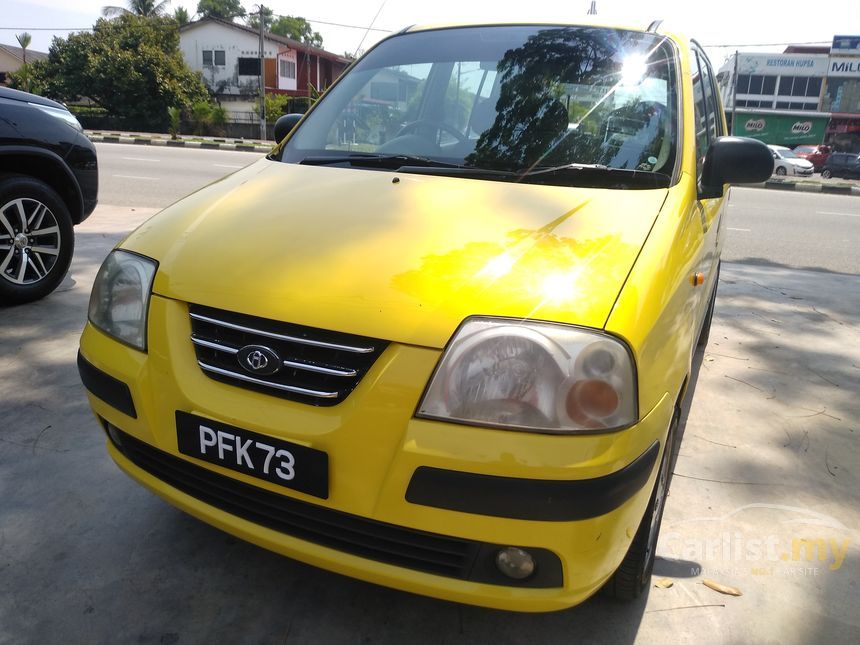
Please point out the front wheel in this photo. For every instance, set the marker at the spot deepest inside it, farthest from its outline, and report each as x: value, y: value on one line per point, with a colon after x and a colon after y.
x: 632, y: 576
x: 826, y: 174
x: 780, y: 171
x: 36, y: 239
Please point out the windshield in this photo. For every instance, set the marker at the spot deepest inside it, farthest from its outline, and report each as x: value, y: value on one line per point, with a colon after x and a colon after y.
x: 515, y: 99
x: 787, y: 154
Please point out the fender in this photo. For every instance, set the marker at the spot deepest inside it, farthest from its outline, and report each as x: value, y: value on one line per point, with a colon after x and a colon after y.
x: 66, y: 185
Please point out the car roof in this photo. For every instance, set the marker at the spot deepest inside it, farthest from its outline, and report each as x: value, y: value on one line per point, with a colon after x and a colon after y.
x: 538, y: 23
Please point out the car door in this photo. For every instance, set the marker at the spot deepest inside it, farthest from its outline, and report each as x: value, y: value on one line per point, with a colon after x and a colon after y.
x: 710, y: 124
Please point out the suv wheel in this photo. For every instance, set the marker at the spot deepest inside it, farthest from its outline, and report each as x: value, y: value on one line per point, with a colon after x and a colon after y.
x: 826, y: 173
x: 632, y: 576
x: 36, y: 239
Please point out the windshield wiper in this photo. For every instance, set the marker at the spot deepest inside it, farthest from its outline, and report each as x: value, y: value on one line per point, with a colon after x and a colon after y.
x: 369, y: 160
x: 596, y: 175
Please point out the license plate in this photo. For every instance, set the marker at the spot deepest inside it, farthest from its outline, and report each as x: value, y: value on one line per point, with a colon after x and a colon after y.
x: 281, y: 462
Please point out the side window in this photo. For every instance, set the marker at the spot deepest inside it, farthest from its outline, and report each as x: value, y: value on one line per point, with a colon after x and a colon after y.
x: 700, y: 114
x: 712, y: 98
x: 709, y: 123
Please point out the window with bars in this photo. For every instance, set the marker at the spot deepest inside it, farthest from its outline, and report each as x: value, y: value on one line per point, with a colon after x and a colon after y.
x: 214, y: 57
x: 287, y: 69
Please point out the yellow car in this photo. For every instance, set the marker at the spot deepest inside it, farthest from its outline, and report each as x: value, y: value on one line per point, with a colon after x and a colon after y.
x: 438, y: 339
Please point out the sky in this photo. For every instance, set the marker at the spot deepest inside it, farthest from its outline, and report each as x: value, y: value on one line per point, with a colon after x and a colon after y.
x: 721, y: 26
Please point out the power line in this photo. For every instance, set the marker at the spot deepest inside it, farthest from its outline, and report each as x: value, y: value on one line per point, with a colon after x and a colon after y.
x: 46, y: 28
x: 335, y: 24
x: 811, y: 42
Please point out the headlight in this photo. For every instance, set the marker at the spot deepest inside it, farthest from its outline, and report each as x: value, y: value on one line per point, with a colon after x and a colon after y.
x: 533, y: 376
x: 63, y: 115
x: 120, y: 299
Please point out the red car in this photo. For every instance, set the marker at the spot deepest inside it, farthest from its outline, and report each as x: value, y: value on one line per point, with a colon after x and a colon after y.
x: 816, y: 155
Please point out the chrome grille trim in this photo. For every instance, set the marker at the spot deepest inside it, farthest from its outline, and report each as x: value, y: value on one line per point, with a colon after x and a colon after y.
x: 257, y: 381
x: 216, y: 346
x: 289, y: 339
x: 320, y: 370
x: 316, y: 366
x: 308, y: 367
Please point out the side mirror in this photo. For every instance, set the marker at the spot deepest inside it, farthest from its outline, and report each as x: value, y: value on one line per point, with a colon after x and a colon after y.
x: 734, y: 160
x: 285, y: 124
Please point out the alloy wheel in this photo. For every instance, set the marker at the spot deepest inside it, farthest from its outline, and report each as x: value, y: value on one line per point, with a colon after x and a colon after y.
x: 29, y: 241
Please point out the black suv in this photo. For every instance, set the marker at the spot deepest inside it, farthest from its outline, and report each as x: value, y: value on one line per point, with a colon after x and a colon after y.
x: 841, y: 164
x: 48, y: 183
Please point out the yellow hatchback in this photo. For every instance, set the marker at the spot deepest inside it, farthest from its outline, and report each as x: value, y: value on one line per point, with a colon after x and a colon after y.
x: 439, y: 338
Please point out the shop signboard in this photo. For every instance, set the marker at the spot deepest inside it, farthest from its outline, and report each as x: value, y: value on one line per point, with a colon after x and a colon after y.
x: 780, y: 129
x: 846, y: 45
x: 783, y: 64
x: 844, y: 66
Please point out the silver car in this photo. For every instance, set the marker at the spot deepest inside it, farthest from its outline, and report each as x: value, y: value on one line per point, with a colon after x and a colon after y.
x: 785, y: 162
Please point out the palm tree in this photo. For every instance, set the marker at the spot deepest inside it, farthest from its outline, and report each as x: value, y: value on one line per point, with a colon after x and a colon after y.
x: 180, y: 15
x: 145, y: 8
x: 23, y: 40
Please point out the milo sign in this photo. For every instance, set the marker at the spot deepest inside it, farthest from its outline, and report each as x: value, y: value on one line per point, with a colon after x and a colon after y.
x: 781, y: 129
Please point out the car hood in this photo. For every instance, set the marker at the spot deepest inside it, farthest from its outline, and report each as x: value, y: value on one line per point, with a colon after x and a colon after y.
x: 800, y: 163
x: 402, y: 257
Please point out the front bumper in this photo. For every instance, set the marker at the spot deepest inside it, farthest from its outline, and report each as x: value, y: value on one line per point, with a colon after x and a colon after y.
x: 376, y: 448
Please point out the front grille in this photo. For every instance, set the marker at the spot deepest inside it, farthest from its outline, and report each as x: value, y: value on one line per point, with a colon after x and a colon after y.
x: 319, y: 367
x: 367, y: 538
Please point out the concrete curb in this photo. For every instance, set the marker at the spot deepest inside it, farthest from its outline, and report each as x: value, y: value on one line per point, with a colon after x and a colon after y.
x: 180, y: 143
x: 811, y: 187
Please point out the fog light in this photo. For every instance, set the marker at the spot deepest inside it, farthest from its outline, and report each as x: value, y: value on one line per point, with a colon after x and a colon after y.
x: 515, y: 563
x: 113, y: 433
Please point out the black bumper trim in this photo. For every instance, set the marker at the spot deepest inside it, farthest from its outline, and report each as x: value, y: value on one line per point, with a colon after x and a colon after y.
x: 401, y: 546
x: 110, y: 390
x: 548, y: 500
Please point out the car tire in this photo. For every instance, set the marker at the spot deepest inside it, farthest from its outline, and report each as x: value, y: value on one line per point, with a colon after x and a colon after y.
x: 705, y: 333
x: 780, y: 171
x: 633, y: 575
x: 826, y: 174
x: 36, y: 239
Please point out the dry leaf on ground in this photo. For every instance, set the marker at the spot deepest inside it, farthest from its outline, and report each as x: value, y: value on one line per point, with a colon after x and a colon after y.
x: 664, y: 583
x: 716, y: 586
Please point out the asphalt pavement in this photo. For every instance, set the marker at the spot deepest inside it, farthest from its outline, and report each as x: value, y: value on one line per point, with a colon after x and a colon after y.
x: 797, y: 230
x: 765, y: 496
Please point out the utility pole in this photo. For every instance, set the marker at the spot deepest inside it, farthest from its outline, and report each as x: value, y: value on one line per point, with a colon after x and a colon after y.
x: 734, y: 94
x: 262, y: 81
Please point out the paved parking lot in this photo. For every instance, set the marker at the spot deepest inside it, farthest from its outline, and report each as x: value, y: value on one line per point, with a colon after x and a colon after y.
x: 765, y: 498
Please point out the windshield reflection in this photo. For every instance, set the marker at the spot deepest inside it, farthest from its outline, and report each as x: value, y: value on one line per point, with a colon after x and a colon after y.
x: 504, y: 98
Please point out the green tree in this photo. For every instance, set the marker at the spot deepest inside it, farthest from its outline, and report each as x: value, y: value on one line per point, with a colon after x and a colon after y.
x: 224, y: 9
x: 298, y: 29
x: 180, y: 15
x: 130, y: 66
x: 145, y: 8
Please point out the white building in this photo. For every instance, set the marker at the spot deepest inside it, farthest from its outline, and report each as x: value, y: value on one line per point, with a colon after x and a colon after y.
x: 228, y: 56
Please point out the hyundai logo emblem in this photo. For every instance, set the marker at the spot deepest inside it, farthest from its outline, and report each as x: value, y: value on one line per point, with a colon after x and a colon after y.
x: 259, y: 360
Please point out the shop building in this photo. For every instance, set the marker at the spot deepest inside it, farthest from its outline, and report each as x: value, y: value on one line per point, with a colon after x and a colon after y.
x: 804, y: 95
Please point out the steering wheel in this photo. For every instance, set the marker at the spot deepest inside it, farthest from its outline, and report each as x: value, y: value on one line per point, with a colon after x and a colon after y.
x: 438, y: 125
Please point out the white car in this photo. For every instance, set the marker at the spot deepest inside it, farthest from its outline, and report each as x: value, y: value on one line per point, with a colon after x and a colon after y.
x: 785, y: 162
